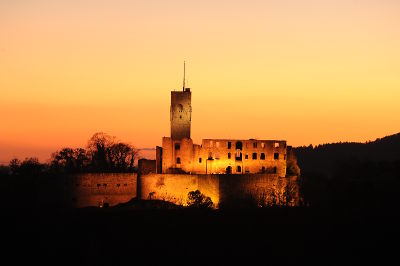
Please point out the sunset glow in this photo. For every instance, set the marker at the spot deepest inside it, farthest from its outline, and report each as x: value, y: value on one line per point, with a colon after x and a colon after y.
x: 309, y: 72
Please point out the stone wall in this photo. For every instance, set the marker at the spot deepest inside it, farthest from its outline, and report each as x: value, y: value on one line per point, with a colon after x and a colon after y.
x: 96, y: 189
x: 262, y: 189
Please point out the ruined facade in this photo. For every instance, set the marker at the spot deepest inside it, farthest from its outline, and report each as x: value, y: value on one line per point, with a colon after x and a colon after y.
x: 179, y: 154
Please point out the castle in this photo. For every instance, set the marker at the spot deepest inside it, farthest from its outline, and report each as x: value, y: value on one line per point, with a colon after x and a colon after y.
x: 226, y: 170
x: 179, y: 154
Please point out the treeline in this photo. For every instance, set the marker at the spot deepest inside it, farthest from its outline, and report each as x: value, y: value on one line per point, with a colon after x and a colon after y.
x: 103, y: 153
x: 351, y: 174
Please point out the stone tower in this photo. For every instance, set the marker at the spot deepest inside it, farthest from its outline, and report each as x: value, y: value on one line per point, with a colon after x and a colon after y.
x: 181, y: 114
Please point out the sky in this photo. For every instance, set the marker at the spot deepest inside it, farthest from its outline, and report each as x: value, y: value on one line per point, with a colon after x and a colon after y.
x: 310, y: 71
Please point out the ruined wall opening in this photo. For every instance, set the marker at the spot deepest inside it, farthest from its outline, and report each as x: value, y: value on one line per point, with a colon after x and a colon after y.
x: 239, y: 145
x: 229, y: 170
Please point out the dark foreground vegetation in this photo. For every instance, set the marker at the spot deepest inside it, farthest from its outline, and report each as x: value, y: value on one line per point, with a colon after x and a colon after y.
x: 153, y: 235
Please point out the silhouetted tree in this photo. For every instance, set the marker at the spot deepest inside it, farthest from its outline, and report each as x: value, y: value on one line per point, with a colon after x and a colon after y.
x: 122, y: 157
x: 198, y: 200
x: 109, y: 155
x: 30, y: 166
x: 99, y: 148
x: 14, y: 166
x: 69, y: 160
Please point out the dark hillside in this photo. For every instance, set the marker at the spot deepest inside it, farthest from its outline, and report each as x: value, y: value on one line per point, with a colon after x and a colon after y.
x: 351, y: 174
x: 327, y: 159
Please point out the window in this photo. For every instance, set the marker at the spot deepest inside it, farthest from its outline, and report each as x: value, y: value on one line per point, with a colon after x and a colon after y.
x: 262, y: 156
x: 178, y: 160
x: 238, y: 156
x: 238, y: 169
x: 262, y: 145
x: 118, y: 185
x: 254, y: 144
x: 275, y: 170
x: 200, y: 160
x: 276, y: 144
x: 239, y: 145
x: 276, y: 156
x: 263, y: 169
x: 210, y: 155
x: 217, y: 144
x: 254, y: 156
x: 177, y: 146
x: 229, y: 170
x: 246, y: 157
x: 125, y: 185
x: 104, y: 184
x: 229, y: 144
x: 229, y: 155
x: 98, y: 185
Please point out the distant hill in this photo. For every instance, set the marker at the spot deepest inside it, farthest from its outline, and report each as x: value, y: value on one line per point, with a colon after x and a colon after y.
x: 350, y: 157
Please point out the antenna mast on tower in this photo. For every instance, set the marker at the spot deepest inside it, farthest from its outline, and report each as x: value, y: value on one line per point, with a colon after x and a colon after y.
x: 184, y: 74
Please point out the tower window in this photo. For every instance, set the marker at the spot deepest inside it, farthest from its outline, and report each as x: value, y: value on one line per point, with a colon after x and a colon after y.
x: 276, y: 156
x: 262, y: 156
x: 229, y: 155
x: 178, y: 160
x: 177, y: 146
x: 229, y: 144
x: 254, y: 156
x: 200, y: 160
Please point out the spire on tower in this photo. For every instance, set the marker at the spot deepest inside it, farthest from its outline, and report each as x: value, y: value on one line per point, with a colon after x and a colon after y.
x: 184, y: 75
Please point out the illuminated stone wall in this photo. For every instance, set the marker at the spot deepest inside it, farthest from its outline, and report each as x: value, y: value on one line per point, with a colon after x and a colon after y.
x: 85, y: 190
x: 252, y: 156
x: 265, y: 189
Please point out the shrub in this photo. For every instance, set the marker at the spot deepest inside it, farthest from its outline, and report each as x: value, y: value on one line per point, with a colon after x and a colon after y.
x: 198, y: 200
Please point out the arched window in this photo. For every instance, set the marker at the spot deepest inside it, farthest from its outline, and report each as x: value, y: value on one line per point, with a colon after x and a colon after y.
x: 180, y: 108
x: 178, y: 160
x: 239, y: 145
x: 229, y: 170
x: 238, y: 169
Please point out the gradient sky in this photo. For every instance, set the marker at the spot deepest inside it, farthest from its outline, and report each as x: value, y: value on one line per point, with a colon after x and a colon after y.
x: 308, y: 71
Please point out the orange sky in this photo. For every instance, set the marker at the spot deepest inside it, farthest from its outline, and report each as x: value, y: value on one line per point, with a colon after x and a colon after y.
x: 307, y: 71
